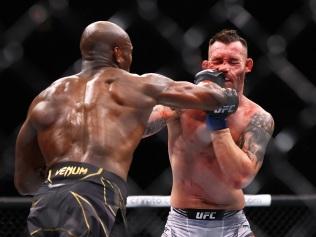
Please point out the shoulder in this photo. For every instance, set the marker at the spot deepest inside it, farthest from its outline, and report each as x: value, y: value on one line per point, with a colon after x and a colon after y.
x: 260, y: 117
x: 41, y: 112
x: 119, y: 75
x: 44, y: 106
x: 60, y: 85
x: 152, y: 84
x: 156, y: 79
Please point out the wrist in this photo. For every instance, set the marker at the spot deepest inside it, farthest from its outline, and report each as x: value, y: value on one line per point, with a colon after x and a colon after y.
x: 215, y: 123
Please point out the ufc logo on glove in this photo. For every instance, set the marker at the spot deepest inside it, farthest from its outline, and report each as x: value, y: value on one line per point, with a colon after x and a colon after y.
x: 225, y: 109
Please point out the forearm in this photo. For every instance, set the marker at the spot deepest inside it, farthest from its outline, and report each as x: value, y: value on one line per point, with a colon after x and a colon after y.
x: 29, y: 163
x: 217, y: 97
x: 235, y: 164
x: 28, y: 182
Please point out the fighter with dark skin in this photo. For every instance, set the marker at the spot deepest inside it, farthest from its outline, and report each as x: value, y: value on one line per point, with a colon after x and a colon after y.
x: 96, y: 118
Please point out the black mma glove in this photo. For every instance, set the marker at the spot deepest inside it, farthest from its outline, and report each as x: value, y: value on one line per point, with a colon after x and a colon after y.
x: 216, y: 120
x: 210, y: 75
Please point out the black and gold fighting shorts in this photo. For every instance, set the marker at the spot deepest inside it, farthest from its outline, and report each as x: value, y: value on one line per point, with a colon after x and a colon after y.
x: 79, y: 199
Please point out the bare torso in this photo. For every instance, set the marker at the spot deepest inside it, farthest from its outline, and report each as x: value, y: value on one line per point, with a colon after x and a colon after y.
x: 77, y: 119
x: 198, y: 181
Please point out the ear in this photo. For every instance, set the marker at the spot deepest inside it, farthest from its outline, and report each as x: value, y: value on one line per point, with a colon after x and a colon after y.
x: 117, y: 54
x: 204, y: 64
x: 249, y: 65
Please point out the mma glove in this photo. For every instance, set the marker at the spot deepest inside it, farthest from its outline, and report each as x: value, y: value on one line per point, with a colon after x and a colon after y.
x: 216, y: 119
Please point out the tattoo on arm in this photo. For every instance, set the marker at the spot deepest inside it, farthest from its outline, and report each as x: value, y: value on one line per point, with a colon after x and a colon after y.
x: 256, y: 136
x: 154, y: 127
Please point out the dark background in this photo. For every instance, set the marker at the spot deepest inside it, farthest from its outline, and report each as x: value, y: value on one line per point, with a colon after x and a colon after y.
x: 39, y: 42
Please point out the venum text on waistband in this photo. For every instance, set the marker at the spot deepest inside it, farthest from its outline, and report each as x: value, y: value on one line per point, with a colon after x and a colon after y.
x: 71, y: 170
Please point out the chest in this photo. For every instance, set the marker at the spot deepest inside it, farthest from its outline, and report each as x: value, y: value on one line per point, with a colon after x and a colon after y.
x: 194, y: 127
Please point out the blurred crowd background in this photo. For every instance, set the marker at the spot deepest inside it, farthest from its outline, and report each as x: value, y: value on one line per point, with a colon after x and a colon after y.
x: 39, y: 43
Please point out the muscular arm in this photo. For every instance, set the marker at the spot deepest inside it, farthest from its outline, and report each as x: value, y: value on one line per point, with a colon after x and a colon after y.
x: 185, y: 95
x: 240, y: 162
x: 29, y: 163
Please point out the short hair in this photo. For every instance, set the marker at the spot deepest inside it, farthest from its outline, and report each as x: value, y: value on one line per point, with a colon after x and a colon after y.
x: 227, y: 36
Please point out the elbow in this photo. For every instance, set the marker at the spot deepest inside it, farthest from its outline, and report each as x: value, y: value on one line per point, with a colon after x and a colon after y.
x: 19, y: 186
x: 22, y: 187
x: 242, y: 180
x: 244, y: 176
x: 241, y: 183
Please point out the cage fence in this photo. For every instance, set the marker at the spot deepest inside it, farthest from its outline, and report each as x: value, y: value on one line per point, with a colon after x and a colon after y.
x: 290, y: 216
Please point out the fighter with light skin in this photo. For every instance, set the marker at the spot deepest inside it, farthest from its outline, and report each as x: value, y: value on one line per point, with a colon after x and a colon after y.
x: 214, y: 156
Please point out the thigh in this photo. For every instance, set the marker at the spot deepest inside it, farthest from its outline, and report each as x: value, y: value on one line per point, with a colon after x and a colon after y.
x: 119, y: 228
x: 242, y: 230
x: 176, y: 227
x: 67, y: 212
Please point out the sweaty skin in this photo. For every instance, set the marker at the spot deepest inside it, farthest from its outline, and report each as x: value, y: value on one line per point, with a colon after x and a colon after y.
x: 210, y: 168
x: 99, y: 115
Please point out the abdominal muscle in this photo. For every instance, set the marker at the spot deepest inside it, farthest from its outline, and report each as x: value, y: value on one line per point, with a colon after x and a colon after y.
x: 198, y: 181
x: 203, y: 188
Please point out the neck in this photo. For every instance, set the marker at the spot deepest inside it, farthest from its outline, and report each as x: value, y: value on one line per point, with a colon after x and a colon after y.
x: 96, y: 64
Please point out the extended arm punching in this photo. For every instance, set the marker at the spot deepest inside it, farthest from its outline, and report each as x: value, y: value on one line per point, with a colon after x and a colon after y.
x: 186, y: 95
x: 182, y: 94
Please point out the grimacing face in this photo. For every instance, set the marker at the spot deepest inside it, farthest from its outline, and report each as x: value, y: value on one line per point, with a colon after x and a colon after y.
x: 231, y: 59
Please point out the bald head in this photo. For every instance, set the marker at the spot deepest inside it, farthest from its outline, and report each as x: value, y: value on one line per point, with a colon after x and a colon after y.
x: 100, y: 38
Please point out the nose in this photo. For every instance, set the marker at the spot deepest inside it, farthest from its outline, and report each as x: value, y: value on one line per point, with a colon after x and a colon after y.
x: 224, y: 67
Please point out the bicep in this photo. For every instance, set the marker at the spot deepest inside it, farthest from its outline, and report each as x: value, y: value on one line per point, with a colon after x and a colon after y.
x: 167, y: 91
x: 256, y: 136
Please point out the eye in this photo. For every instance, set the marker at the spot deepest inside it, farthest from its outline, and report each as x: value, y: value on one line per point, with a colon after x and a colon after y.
x: 234, y: 62
x: 216, y: 61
